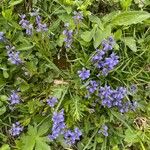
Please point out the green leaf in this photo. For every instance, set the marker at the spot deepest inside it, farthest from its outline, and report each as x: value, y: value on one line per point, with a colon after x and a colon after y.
x: 24, y: 47
x: 55, y: 25
x: 7, y: 14
x: 43, y: 128
x: 87, y: 36
x: 3, y: 98
x: 100, y: 35
x: 76, y: 108
x: 5, y: 147
x: 125, y: 4
x: 24, y: 86
x: 115, y: 147
x: 41, y: 144
x: 118, y: 34
x: 14, y: 2
x: 33, y: 140
x: 2, y: 110
x: 130, y: 17
x: 5, y: 74
x: 96, y: 20
x: 131, y: 43
x: 131, y: 137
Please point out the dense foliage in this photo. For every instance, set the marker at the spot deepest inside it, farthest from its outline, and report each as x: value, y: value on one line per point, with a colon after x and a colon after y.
x: 75, y: 74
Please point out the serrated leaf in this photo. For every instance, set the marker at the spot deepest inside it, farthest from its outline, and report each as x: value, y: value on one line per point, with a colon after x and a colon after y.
x: 43, y: 128
x: 130, y: 17
x: 41, y: 144
x: 131, y: 43
x: 33, y: 140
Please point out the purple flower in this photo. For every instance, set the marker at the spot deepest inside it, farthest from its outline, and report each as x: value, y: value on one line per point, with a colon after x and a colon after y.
x: 133, y: 89
x: 29, y: 29
x: 78, y: 16
x: 92, y: 87
x: 1, y: 36
x: 111, y: 61
x: 98, y: 56
x: 40, y: 27
x: 58, y: 125
x: 16, y: 129
x: 72, y: 136
x: 14, y: 98
x: 52, y: 101
x: 104, y: 130
x: 34, y: 13
x: 103, y: 60
x: 68, y: 36
x: 26, y: 25
x: 13, y: 55
x: 84, y: 74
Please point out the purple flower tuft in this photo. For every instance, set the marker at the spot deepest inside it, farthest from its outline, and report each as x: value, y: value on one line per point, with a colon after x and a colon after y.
x: 52, y: 101
x: 72, y: 136
x: 16, y: 129
x: 84, y: 74
x: 40, y: 26
x: 26, y: 25
x: 78, y: 16
x: 13, y: 55
x: 1, y: 36
x: 104, y: 130
x: 92, y: 87
x: 58, y: 125
x: 14, y: 98
x: 68, y: 36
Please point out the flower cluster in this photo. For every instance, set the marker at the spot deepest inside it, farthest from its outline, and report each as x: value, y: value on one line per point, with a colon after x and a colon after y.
x: 1, y: 36
x: 14, y: 98
x: 29, y: 26
x: 16, y: 129
x: 84, y: 74
x: 105, y: 60
x: 13, y: 55
x: 78, y: 16
x: 115, y: 98
x: 59, y: 128
x: 68, y: 36
x: 58, y: 125
x: 52, y: 101
x: 72, y: 136
x: 26, y: 25
x: 40, y: 26
x: 104, y: 130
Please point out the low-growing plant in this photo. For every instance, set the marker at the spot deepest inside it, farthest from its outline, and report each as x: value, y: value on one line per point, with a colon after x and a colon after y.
x: 74, y: 75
